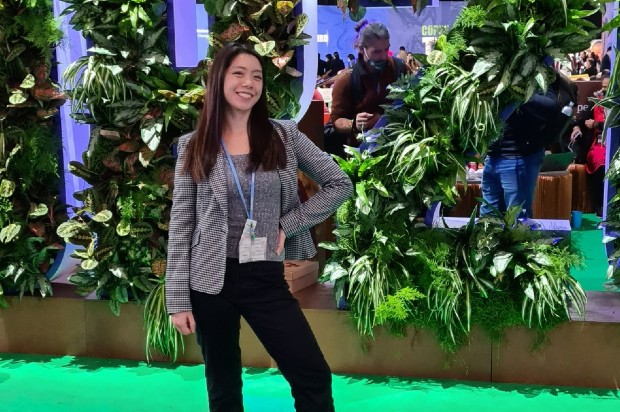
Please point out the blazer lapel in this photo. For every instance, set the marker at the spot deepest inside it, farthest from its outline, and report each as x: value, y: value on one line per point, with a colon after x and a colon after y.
x: 217, y: 180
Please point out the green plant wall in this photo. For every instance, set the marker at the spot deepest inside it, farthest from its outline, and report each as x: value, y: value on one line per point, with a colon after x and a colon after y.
x: 30, y: 208
x: 611, y: 102
x: 275, y: 31
x: 137, y: 105
x: 388, y: 266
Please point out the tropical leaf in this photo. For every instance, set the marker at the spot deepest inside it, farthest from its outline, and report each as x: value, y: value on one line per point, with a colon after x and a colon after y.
x: 8, y: 233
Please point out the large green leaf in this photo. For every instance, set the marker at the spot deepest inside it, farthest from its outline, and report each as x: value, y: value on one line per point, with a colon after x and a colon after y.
x: 40, y: 210
x: 9, y: 232
x: 89, y: 264
x: 123, y: 228
x: 28, y: 82
x: 18, y: 97
x: 103, y: 216
x: 70, y: 228
x: 7, y: 187
x: 151, y: 133
x: 264, y: 48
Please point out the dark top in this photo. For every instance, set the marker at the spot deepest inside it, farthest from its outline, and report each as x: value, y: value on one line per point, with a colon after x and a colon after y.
x: 591, y: 71
x: 329, y: 68
x: 522, y: 133
x: 337, y: 65
x: 322, y: 67
x: 374, y: 92
x: 606, y: 63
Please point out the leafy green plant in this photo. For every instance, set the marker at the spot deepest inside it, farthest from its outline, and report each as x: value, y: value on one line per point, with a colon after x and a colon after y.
x: 160, y: 333
x: 29, y: 148
x: 137, y: 105
x: 493, y: 57
x: 611, y: 102
x: 357, y: 12
x: 275, y: 33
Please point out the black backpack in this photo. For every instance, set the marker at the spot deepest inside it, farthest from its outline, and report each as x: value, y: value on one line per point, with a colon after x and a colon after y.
x: 553, y: 131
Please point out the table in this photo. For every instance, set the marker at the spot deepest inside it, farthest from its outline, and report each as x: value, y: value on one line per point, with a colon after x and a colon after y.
x: 553, y: 198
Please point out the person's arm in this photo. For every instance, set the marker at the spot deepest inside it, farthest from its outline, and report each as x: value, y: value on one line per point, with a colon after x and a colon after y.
x: 336, y: 187
x: 180, y: 232
x: 343, y: 109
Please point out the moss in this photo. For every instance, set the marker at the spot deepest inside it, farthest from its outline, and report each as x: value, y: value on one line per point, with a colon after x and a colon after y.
x: 102, y: 149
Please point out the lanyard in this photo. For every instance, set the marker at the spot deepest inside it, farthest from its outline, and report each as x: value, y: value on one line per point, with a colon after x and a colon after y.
x: 249, y: 213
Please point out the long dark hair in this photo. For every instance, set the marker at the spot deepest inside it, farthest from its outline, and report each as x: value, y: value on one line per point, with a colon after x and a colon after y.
x: 266, y: 147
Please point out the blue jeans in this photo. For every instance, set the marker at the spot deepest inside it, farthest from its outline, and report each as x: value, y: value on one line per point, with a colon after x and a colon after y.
x: 510, y: 182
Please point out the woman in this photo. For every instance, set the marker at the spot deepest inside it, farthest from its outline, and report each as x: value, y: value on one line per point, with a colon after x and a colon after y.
x: 235, y: 215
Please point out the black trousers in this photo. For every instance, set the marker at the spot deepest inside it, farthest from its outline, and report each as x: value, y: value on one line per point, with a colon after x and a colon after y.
x: 258, y: 292
x: 596, y: 183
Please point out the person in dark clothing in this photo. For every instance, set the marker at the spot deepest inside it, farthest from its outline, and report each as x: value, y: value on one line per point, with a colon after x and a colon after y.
x: 606, y: 62
x: 350, y: 60
x: 591, y: 68
x: 321, y: 67
x: 329, y: 65
x: 338, y: 64
x: 513, y: 161
x: 589, y: 147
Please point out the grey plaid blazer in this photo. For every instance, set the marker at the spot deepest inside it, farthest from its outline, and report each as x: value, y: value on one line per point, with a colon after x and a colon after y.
x: 199, y: 218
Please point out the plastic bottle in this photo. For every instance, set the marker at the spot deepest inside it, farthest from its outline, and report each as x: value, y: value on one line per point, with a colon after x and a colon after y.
x: 568, y: 109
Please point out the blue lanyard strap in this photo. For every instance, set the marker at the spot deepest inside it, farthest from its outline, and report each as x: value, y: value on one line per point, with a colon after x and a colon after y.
x: 249, y: 213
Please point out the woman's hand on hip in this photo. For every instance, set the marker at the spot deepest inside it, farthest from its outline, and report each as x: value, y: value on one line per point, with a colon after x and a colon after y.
x: 281, y: 239
x: 184, y: 322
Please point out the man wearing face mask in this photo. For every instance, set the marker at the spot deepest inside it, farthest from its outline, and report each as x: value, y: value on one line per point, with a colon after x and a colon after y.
x: 358, y: 94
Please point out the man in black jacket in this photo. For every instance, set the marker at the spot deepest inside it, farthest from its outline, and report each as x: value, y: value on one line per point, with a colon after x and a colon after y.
x: 513, y: 161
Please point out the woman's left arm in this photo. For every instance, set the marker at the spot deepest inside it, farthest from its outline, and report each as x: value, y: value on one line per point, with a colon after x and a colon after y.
x: 336, y: 187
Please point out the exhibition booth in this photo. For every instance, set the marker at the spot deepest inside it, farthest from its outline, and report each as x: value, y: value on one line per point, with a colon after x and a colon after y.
x: 104, y: 256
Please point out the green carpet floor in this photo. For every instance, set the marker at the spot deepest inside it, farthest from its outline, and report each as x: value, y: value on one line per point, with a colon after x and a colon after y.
x: 589, y: 239
x: 54, y: 384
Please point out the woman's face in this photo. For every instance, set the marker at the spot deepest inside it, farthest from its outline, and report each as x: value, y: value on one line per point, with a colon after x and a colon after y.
x: 243, y: 83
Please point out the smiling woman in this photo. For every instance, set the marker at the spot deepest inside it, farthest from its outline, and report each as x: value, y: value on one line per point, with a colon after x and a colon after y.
x: 235, y: 215
x: 243, y: 86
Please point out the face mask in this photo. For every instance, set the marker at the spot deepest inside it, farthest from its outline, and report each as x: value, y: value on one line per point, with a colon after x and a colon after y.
x: 377, y: 66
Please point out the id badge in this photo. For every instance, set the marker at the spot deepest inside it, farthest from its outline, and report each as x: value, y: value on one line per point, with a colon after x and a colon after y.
x: 251, y: 248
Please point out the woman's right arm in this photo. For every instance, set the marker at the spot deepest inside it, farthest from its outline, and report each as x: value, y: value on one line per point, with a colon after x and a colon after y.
x: 180, y: 232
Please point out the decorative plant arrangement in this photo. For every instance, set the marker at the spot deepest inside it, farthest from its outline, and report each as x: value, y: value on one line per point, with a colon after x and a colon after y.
x: 490, y: 61
x: 30, y: 208
x: 357, y: 12
x: 611, y: 102
x: 275, y: 31
x: 137, y: 105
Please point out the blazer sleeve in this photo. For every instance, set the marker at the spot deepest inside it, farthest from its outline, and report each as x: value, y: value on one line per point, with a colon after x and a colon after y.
x: 180, y: 232
x: 336, y: 187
